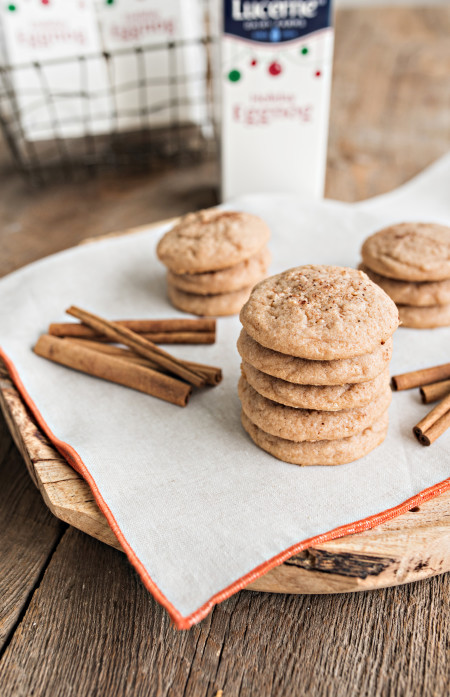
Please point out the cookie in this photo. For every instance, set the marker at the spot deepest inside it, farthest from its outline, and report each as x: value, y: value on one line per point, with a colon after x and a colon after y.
x: 420, y: 293
x: 308, y: 424
x: 327, y: 398
x: 247, y: 273
x: 424, y: 317
x: 208, y: 305
x: 410, y: 252
x: 304, y: 372
x: 321, y: 452
x: 320, y: 313
x: 211, y: 240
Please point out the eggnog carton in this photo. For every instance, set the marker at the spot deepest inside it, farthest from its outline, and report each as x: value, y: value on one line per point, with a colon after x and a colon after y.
x: 158, y: 61
x: 276, y: 63
x: 45, y: 42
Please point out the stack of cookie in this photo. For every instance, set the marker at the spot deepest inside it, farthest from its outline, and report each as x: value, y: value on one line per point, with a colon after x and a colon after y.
x: 214, y: 258
x: 411, y: 262
x: 315, y: 348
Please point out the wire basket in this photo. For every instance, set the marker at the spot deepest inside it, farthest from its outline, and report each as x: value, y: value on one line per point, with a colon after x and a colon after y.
x: 139, y: 122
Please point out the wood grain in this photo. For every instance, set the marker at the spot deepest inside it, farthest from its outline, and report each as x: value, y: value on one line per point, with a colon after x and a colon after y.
x: 96, y: 631
x: 390, y: 98
x: 91, y: 628
x: 28, y: 535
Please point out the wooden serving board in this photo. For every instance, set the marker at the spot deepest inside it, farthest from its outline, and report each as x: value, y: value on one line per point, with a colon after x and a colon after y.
x: 411, y: 547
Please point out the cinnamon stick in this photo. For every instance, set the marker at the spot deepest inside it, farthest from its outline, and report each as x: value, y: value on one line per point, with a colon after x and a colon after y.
x: 417, y: 378
x: 434, y: 423
x: 124, y: 353
x: 160, y: 338
x: 140, y: 345
x: 435, y: 391
x: 212, y: 374
x: 140, y: 326
x: 113, y: 368
x: 180, y: 337
x: 436, y: 430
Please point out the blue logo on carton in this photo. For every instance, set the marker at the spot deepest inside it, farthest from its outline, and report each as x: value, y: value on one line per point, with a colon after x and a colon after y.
x: 275, y: 20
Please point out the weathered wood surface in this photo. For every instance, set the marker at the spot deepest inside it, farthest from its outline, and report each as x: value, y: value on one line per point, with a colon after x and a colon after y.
x: 409, y: 548
x: 90, y: 628
x: 390, y: 98
x: 28, y: 535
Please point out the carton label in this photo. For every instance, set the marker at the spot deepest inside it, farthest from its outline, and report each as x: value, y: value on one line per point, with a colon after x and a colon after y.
x: 275, y: 20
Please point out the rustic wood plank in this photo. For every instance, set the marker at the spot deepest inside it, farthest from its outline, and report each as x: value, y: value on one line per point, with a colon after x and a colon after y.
x: 409, y: 548
x: 45, y: 221
x: 96, y: 631
x: 28, y: 534
x: 390, y: 98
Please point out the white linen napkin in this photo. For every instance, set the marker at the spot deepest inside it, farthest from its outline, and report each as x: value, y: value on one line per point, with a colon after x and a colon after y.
x: 197, y: 505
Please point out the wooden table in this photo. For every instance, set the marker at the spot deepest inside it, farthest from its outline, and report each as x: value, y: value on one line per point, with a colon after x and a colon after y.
x: 74, y: 618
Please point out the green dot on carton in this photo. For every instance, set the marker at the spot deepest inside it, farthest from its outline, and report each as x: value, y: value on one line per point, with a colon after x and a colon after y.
x: 234, y: 75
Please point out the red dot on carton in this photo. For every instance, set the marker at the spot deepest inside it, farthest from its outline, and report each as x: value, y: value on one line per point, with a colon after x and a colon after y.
x: 275, y: 69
